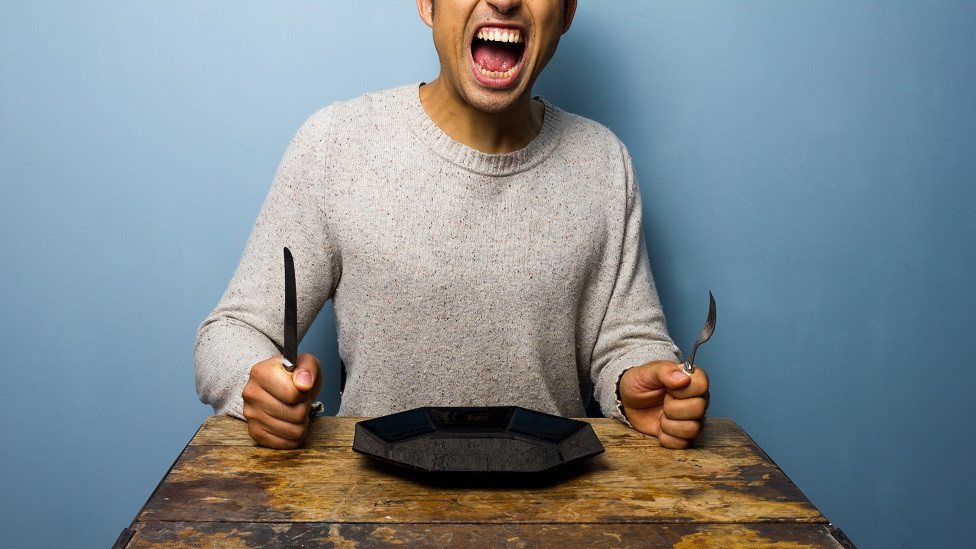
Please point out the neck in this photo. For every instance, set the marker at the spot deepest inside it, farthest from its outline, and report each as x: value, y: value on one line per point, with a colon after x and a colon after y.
x: 489, y: 132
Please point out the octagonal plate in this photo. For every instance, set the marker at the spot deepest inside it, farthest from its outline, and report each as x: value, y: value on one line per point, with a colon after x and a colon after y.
x: 507, y: 439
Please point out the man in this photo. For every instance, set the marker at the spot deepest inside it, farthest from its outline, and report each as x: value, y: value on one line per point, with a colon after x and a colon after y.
x: 481, y: 246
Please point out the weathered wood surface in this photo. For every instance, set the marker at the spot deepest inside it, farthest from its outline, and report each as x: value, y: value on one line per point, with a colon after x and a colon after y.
x: 483, y: 536
x: 224, y: 491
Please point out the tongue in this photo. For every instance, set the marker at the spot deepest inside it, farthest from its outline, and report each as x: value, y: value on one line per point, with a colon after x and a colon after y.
x: 494, y: 56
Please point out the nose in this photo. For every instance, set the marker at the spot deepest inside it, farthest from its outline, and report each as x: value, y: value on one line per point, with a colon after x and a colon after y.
x: 504, y: 7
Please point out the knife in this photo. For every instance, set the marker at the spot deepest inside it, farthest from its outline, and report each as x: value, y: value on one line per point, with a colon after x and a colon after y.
x: 289, y: 358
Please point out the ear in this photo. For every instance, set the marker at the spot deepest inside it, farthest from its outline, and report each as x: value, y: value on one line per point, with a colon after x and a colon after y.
x: 568, y: 14
x: 426, y: 9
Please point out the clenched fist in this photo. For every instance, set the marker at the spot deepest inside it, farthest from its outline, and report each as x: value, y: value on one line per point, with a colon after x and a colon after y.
x: 660, y: 399
x: 277, y: 403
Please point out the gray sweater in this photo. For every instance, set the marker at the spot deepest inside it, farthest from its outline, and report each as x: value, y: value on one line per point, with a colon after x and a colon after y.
x: 458, y: 277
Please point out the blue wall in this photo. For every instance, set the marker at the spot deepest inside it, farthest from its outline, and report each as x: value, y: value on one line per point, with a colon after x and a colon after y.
x: 812, y: 163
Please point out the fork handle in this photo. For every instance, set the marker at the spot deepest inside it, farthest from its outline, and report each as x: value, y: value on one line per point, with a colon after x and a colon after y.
x: 690, y: 363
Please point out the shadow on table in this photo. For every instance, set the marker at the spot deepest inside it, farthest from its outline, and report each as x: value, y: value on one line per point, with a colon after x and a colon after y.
x: 490, y: 480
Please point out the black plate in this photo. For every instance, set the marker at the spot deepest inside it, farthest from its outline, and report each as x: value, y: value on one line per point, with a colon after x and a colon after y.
x: 507, y: 439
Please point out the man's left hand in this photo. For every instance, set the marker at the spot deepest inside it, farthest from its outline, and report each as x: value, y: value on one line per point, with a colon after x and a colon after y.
x: 660, y: 399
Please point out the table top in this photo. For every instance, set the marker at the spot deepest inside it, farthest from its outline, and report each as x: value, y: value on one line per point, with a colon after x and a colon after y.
x: 225, y: 491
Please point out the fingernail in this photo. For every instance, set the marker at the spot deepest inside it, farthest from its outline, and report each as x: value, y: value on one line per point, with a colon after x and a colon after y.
x: 679, y: 375
x: 303, y: 378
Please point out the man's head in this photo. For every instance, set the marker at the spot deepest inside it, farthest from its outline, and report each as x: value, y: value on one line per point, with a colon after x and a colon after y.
x: 492, y: 51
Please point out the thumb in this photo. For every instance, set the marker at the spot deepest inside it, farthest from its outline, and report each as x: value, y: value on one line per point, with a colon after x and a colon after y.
x: 672, y: 375
x: 306, y: 372
x: 646, y: 385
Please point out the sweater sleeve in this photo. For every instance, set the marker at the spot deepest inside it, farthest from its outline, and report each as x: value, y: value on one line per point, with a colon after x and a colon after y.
x: 246, y: 326
x: 633, y: 331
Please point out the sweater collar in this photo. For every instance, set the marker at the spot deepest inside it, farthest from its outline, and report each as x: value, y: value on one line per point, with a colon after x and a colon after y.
x: 474, y: 160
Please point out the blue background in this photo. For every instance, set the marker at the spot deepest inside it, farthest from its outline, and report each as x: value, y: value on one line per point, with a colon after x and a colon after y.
x: 810, y: 162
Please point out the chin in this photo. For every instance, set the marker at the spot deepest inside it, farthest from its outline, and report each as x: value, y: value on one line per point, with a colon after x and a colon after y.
x: 495, y: 101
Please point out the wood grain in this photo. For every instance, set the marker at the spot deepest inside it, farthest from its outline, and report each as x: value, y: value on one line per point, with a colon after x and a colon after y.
x: 369, y: 536
x: 225, y: 491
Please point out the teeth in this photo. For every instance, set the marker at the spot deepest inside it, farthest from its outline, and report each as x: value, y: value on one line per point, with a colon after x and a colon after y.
x: 496, y: 74
x: 495, y: 35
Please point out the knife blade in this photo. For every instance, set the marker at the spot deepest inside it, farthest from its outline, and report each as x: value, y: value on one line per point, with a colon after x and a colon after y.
x: 289, y: 357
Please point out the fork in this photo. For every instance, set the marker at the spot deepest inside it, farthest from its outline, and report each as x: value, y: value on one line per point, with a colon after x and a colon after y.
x: 706, y: 332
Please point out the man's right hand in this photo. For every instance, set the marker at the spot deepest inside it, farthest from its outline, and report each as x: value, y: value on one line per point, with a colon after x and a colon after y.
x: 277, y: 403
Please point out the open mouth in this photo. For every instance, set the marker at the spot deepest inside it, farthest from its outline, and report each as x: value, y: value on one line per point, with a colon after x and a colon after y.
x: 497, y: 52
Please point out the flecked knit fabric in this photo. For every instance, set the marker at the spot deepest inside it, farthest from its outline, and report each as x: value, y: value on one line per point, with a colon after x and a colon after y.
x: 458, y: 277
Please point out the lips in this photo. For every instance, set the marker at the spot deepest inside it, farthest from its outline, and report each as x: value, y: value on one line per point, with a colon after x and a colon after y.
x: 496, y: 55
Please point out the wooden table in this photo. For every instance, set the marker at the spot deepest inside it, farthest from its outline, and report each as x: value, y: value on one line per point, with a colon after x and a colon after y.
x: 224, y: 491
